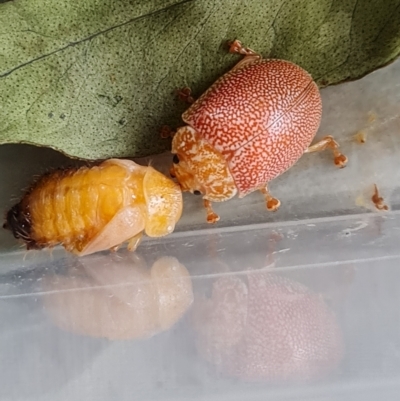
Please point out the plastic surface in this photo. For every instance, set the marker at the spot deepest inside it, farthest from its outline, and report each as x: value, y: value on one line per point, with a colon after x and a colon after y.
x: 310, y: 293
x: 352, y: 264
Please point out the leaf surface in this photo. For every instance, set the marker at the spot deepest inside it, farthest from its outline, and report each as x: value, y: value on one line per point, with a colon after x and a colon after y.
x: 97, y: 78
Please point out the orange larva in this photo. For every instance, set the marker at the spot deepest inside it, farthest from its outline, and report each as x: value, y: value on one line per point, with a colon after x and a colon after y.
x: 250, y: 126
x: 91, y: 209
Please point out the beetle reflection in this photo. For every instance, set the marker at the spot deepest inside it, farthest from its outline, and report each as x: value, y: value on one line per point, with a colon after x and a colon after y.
x: 262, y: 326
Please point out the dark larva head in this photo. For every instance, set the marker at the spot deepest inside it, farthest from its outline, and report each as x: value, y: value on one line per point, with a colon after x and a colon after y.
x: 19, y: 223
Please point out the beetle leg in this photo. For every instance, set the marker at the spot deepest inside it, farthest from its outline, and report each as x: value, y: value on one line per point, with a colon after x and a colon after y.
x: 378, y: 200
x: 329, y: 143
x: 250, y: 55
x: 185, y: 94
x: 134, y: 242
x: 236, y: 46
x: 212, y: 217
x: 166, y: 132
x: 271, y: 202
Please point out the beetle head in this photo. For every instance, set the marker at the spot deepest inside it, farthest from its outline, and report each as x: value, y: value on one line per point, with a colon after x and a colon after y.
x: 199, y: 168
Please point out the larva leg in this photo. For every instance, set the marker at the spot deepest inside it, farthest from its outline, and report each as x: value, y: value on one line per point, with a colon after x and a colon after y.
x: 271, y: 203
x: 185, y: 94
x: 329, y: 143
x: 115, y: 248
x: 134, y: 242
x: 126, y: 224
x: 212, y: 217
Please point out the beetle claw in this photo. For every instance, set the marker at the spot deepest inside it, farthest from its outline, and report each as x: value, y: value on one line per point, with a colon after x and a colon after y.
x: 212, y: 217
x: 378, y: 200
x: 340, y: 160
x: 329, y: 142
x: 271, y: 203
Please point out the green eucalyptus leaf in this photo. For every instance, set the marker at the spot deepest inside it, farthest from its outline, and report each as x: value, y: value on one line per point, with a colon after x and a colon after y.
x: 97, y: 78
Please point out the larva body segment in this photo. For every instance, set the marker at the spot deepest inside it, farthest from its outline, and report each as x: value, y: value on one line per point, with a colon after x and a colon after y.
x: 96, y: 208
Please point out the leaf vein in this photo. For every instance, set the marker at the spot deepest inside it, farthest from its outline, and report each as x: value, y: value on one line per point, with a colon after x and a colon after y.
x: 90, y: 37
x: 185, y: 47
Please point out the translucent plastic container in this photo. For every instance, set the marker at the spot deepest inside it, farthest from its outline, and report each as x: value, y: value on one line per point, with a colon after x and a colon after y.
x: 302, y: 304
